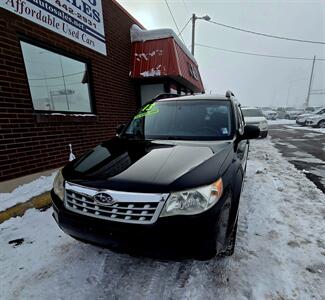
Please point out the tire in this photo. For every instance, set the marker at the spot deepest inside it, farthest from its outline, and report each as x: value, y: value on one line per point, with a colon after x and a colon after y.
x: 230, y: 249
x: 264, y: 134
x: 321, y: 124
x: 222, y: 242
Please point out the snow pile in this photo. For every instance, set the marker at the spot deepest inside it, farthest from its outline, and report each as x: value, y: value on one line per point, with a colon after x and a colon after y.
x: 26, y: 191
x: 279, y: 255
x: 319, y: 130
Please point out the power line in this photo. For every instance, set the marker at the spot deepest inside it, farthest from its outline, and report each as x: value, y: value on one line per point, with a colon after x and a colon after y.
x: 259, y: 54
x: 185, y: 26
x: 174, y: 21
x: 266, y: 34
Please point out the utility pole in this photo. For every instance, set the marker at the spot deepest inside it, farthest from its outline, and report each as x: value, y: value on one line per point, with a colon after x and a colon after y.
x: 193, y: 32
x: 310, y: 82
x: 194, y: 18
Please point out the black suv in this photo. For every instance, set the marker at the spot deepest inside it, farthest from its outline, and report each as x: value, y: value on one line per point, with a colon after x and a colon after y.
x: 169, y: 182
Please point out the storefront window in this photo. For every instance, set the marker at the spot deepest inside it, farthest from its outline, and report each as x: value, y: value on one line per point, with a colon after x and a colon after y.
x: 57, y: 83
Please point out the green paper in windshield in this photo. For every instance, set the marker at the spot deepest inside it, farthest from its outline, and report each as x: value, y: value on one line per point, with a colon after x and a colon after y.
x: 148, y: 110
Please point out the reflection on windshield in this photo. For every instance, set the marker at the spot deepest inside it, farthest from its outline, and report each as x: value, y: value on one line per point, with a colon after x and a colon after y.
x: 179, y: 119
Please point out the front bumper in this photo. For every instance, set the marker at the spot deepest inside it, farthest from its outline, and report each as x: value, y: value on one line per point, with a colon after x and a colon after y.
x: 311, y: 123
x: 168, y: 236
x: 301, y: 122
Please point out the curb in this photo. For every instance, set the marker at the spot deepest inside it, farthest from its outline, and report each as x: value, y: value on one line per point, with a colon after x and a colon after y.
x: 42, y: 201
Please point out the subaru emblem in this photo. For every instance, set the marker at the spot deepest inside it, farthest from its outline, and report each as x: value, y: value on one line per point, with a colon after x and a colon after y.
x: 104, y: 199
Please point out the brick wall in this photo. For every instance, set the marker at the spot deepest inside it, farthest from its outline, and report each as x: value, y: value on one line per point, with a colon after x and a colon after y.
x: 30, y: 142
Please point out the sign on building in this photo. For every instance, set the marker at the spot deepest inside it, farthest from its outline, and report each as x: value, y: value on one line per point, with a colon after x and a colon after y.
x: 78, y: 20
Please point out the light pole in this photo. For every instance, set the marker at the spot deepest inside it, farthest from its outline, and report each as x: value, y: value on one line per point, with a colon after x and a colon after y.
x: 310, y: 83
x: 194, y: 18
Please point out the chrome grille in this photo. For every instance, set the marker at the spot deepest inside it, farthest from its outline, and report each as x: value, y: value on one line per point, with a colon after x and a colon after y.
x: 139, y: 208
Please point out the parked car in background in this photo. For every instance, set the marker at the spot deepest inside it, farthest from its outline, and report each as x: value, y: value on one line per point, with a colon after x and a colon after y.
x: 289, y: 113
x: 317, y: 120
x: 170, y: 179
x: 301, y: 119
x: 269, y: 113
x: 255, y: 116
x: 312, y: 109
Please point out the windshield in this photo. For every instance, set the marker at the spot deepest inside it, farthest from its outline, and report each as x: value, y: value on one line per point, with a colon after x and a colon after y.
x: 252, y: 112
x: 179, y: 119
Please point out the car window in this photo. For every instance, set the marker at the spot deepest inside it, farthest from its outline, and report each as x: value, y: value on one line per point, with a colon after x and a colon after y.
x: 179, y: 119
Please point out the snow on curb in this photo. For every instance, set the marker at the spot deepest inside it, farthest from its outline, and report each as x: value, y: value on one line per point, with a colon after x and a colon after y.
x: 26, y: 191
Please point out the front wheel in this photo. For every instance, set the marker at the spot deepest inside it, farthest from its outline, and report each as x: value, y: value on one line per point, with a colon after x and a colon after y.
x: 321, y: 124
x: 222, y: 241
x: 264, y: 134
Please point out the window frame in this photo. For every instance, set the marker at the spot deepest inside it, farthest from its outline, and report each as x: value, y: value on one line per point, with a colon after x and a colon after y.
x: 67, y: 54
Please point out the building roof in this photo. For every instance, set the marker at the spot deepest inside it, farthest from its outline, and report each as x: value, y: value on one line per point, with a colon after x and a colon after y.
x: 160, y: 53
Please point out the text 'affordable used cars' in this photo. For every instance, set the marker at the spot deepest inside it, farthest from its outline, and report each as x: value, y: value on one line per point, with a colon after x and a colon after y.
x: 169, y: 182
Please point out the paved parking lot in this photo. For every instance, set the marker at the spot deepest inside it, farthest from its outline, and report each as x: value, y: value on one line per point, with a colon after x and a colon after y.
x: 303, y: 147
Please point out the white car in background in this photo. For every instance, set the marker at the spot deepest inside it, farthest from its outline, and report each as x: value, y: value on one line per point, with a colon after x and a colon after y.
x: 269, y: 113
x: 301, y: 120
x: 254, y: 116
x: 316, y: 120
x: 293, y: 113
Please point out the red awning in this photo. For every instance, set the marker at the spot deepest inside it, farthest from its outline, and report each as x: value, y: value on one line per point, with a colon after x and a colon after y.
x: 159, y: 53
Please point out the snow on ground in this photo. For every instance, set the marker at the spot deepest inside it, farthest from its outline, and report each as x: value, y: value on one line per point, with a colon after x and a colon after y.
x: 281, y: 122
x: 280, y: 250
x: 317, y: 130
x: 26, y: 191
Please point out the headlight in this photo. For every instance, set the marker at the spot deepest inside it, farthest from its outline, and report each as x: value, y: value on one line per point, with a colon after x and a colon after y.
x: 192, y: 202
x: 58, y: 185
x: 263, y: 125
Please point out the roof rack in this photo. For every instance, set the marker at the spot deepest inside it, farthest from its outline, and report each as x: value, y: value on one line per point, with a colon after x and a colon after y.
x: 166, y: 95
x: 229, y: 94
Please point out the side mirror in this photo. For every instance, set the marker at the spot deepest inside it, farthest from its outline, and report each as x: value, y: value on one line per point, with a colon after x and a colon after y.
x: 119, y: 129
x: 250, y: 132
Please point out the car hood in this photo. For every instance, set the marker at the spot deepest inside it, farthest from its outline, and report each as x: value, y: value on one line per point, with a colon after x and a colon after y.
x: 149, y: 166
x: 305, y: 115
x: 316, y: 117
x: 254, y: 120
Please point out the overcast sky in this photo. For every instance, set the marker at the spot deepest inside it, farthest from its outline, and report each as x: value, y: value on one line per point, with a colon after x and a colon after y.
x: 255, y: 80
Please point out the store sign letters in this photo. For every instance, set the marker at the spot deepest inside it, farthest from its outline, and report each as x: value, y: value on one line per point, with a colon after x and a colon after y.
x: 78, y: 20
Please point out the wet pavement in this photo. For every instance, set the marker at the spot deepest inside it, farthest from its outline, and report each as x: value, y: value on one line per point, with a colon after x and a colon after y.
x: 303, y: 147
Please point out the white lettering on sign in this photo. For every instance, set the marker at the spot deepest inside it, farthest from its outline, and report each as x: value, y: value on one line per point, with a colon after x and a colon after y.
x: 78, y: 20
